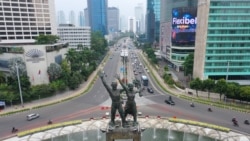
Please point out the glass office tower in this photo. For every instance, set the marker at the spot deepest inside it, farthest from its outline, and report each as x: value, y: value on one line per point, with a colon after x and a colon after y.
x: 222, y: 44
x: 97, y: 10
x: 153, y: 20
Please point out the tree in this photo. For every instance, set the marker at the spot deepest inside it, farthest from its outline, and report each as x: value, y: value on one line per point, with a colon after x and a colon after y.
x: 245, y: 93
x: 46, y: 39
x: 209, y: 85
x: 17, y: 63
x: 188, y: 65
x: 232, y: 89
x: 54, y: 71
x: 196, y: 84
x: 221, y: 87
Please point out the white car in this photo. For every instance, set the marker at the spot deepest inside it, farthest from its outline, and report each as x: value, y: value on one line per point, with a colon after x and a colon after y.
x: 107, y: 113
x: 32, y: 116
x: 139, y: 113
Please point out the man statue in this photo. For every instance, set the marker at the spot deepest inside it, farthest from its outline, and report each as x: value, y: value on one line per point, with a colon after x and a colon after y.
x: 130, y: 106
x: 114, y: 94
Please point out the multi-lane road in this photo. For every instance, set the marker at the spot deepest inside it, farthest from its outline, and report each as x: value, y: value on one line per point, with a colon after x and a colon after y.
x: 91, y: 105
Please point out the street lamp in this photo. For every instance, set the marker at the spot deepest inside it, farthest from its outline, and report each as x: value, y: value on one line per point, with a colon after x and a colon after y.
x: 228, y: 63
x: 19, y: 85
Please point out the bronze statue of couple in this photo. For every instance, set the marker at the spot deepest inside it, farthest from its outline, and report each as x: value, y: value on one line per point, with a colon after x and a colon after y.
x: 130, y: 106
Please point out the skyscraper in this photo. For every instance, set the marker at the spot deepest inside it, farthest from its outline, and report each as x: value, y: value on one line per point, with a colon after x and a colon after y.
x: 222, y: 44
x: 139, y: 16
x: 22, y: 22
x: 113, y: 19
x: 72, y: 19
x: 153, y: 20
x: 97, y: 10
x: 86, y: 15
x: 81, y: 19
x: 61, y: 18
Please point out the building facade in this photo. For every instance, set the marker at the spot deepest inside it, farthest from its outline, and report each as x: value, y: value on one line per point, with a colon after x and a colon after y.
x: 113, y: 19
x: 61, y: 19
x: 153, y: 20
x: 177, y: 39
x: 75, y: 36
x: 139, y: 16
x: 97, y: 11
x: 72, y: 18
x: 222, y: 44
x: 86, y: 15
x: 37, y: 59
x: 22, y: 21
x: 81, y: 19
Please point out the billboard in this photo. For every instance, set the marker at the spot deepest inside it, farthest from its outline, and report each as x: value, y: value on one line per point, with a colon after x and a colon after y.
x: 184, y: 20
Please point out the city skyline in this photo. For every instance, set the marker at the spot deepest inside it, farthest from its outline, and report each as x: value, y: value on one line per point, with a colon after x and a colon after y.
x: 126, y: 7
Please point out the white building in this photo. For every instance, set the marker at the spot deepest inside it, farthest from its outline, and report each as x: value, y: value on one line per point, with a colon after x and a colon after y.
x: 131, y: 24
x: 36, y: 57
x: 21, y: 21
x: 75, y: 35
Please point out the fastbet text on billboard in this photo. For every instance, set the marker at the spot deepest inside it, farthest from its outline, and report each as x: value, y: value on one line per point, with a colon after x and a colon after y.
x: 184, y: 20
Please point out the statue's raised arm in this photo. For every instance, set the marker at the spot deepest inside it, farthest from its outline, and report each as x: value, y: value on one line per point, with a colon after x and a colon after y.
x: 123, y: 86
x: 101, y: 75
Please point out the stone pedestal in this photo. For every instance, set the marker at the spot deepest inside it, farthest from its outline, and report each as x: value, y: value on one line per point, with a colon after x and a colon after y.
x: 118, y: 132
x: 124, y: 133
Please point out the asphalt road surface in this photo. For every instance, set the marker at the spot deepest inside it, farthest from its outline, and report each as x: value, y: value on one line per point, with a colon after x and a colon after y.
x: 97, y: 102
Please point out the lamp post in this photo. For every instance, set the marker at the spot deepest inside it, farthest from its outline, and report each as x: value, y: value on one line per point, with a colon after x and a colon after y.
x: 228, y: 63
x: 19, y: 85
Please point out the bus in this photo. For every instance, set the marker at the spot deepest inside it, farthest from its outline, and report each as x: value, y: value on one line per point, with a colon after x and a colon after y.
x: 144, y: 80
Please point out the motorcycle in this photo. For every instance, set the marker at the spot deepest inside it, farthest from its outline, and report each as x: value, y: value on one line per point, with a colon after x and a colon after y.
x: 246, y: 122
x: 49, y: 122
x: 192, y: 104
x: 235, y: 122
x: 209, y: 110
x: 14, y: 130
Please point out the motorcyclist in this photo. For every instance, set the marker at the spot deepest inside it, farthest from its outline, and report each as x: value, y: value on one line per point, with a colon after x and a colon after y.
x: 14, y: 129
x: 209, y: 109
x: 246, y: 122
x: 235, y: 122
x: 192, y: 104
x: 50, y: 122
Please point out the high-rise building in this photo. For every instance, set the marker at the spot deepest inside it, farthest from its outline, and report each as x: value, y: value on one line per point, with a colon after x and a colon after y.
x: 97, y: 11
x: 153, y: 21
x: 86, y: 15
x: 113, y: 19
x: 139, y: 16
x: 74, y: 36
x: 72, y: 19
x: 23, y: 21
x: 123, y: 23
x: 81, y: 19
x: 177, y: 40
x: 61, y: 17
x: 222, y: 44
x: 131, y: 24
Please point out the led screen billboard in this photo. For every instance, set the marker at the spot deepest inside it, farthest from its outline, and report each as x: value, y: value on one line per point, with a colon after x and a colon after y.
x: 184, y: 22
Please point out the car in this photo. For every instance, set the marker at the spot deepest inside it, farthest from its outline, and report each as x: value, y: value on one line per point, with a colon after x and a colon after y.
x: 169, y: 102
x: 32, y: 116
x: 139, y: 113
x: 150, y: 90
x: 107, y: 114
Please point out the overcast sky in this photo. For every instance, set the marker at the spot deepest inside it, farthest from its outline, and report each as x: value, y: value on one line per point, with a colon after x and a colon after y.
x: 126, y: 6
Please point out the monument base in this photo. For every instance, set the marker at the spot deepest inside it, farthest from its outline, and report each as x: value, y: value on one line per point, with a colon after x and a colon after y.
x: 131, y: 131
